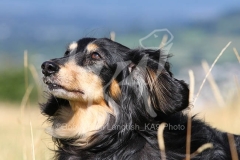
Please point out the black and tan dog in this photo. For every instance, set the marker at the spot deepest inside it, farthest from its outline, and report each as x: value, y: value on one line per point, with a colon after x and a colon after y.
x: 107, y: 102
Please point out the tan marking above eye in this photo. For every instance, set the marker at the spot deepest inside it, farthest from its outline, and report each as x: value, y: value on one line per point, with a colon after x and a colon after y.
x: 92, y: 47
x: 73, y: 46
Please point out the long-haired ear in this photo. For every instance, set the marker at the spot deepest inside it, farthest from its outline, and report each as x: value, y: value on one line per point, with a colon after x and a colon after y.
x: 166, y: 95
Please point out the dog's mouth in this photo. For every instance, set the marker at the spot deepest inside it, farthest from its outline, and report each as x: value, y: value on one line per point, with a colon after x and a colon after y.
x: 52, y: 86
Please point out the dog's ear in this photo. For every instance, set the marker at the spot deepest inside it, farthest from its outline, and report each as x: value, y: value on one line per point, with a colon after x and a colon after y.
x: 166, y: 95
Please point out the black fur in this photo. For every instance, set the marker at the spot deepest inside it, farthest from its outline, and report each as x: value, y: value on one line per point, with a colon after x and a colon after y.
x: 140, y: 74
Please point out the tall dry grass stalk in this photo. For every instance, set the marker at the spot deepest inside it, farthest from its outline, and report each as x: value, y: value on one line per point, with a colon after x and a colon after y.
x: 233, y: 148
x: 28, y: 89
x: 112, y: 36
x: 217, y: 94
x: 189, y: 121
x: 220, y: 101
x: 236, y: 53
x: 204, y: 80
x: 191, y: 87
x: 200, y: 149
x: 163, y: 42
x: 25, y: 59
x: 36, y: 79
x: 161, y: 140
x: 237, y: 85
x: 25, y: 100
x: 33, y: 150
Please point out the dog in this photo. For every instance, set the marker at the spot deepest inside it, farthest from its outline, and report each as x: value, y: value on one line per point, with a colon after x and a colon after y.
x: 107, y: 101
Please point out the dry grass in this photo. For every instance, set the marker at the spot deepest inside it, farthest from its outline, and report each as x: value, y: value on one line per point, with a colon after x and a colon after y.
x: 214, y: 86
x: 161, y: 140
x: 22, y: 133
x: 16, y: 140
x: 189, y: 120
x: 15, y: 132
x: 225, y: 118
x: 236, y: 53
x: 112, y: 36
x: 225, y: 114
x: 207, y: 74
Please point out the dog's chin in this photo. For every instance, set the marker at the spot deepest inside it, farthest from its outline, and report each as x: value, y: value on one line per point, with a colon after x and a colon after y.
x: 61, y: 92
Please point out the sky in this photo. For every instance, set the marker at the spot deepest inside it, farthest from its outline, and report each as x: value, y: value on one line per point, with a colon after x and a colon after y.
x: 109, y: 11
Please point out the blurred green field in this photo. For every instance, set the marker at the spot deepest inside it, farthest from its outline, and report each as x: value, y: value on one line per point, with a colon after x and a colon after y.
x: 13, y: 86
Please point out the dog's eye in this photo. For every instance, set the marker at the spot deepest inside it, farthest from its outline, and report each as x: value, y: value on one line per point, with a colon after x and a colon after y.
x: 95, y: 56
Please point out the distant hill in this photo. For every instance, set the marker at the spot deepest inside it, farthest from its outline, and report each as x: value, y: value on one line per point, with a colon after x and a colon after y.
x: 193, y: 39
x: 228, y: 24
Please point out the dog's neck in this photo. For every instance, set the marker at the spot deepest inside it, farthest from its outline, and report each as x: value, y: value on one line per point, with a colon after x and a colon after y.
x: 80, y: 120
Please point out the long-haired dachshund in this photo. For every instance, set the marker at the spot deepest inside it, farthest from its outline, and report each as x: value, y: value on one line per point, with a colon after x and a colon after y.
x: 107, y: 102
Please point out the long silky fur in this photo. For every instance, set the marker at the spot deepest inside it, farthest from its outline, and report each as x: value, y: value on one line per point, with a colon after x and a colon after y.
x: 166, y: 98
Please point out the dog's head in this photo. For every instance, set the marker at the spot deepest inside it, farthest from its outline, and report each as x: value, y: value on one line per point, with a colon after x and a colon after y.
x: 98, y: 79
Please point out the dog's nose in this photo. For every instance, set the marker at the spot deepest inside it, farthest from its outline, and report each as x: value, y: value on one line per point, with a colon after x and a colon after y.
x: 49, y: 68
